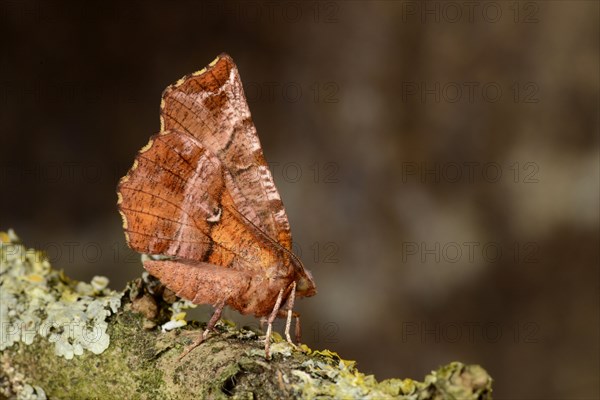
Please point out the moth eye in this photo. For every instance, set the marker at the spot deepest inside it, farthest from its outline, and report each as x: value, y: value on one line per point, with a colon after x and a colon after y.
x: 216, y: 215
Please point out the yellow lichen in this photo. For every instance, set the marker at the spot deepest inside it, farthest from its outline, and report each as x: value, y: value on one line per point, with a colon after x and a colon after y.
x: 69, y: 296
x: 177, y: 314
x: 34, y: 278
x: 4, y: 237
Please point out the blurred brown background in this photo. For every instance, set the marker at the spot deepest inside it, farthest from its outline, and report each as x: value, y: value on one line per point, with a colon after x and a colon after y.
x: 438, y: 161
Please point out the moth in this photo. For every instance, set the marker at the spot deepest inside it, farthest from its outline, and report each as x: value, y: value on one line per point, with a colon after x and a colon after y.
x: 201, y: 193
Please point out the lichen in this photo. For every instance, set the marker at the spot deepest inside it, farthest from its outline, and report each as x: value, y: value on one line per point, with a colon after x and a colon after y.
x: 37, y: 301
x: 344, y: 381
x: 177, y: 314
x: 143, y: 362
x: 29, y: 392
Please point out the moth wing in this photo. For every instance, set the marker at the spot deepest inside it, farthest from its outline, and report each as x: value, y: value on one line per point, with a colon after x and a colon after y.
x: 174, y: 202
x: 211, y: 106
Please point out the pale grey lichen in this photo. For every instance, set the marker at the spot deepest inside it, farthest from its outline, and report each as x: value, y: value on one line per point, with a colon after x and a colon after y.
x: 36, y: 300
x: 177, y: 315
x: 29, y: 392
x: 172, y: 324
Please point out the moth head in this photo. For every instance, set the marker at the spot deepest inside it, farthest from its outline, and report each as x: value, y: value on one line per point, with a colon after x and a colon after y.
x: 305, y: 284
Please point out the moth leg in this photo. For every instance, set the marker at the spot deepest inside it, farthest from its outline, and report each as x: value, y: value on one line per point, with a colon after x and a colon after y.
x: 270, y: 324
x: 209, y: 327
x: 289, y: 306
x: 297, y: 331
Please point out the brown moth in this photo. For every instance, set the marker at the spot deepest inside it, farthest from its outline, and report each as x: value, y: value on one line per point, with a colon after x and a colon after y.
x: 201, y: 192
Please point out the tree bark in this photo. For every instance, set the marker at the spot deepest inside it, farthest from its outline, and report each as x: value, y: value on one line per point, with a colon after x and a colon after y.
x: 141, y: 360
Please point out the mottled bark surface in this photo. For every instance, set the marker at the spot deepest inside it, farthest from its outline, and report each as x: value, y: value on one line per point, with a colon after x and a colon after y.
x: 141, y: 361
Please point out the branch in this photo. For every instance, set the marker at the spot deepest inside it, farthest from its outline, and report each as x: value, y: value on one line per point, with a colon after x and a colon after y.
x: 66, y: 339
